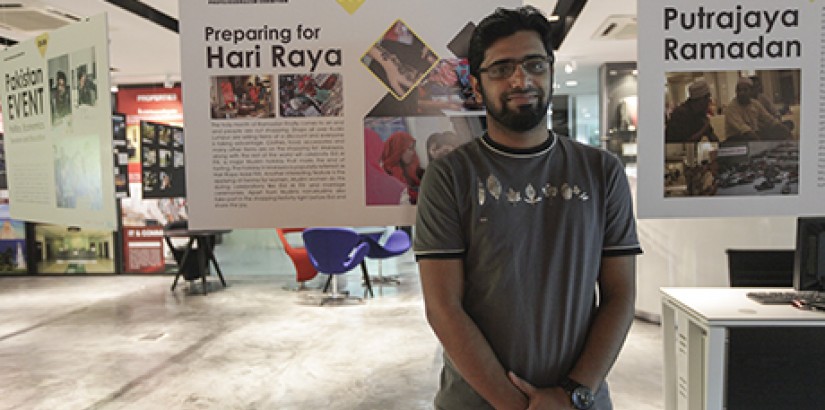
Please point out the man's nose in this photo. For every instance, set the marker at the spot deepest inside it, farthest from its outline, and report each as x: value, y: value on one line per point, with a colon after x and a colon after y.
x: 520, y: 77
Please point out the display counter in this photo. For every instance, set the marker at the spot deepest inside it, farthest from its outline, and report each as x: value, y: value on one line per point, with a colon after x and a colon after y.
x: 723, y: 350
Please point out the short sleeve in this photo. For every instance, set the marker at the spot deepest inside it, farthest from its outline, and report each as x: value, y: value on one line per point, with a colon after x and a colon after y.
x: 438, y: 231
x: 620, y: 236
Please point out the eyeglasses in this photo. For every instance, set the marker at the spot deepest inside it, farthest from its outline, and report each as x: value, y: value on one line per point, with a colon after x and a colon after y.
x: 533, y: 65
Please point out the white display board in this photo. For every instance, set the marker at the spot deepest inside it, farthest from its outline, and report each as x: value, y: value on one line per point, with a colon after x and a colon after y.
x: 277, y: 97
x: 58, y: 127
x: 779, y: 44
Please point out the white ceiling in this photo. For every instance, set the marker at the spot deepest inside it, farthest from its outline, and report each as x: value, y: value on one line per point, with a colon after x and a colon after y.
x: 144, y: 52
x: 140, y: 51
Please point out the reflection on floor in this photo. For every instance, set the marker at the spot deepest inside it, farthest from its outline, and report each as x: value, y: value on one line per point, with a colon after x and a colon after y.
x: 88, y: 266
x: 127, y: 342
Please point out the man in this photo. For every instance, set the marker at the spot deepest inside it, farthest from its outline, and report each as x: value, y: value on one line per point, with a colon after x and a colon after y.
x: 747, y: 120
x: 61, y: 100
x: 514, y: 231
x: 707, y: 181
x: 689, y: 122
x: 758, y: 94
x: 86, y: 89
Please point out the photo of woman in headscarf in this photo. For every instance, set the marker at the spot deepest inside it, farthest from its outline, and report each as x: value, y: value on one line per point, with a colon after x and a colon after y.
x: 400, y: 160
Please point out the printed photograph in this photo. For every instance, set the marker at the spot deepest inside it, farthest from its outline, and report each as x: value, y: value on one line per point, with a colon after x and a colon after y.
x: 165, y: 158
x: 241, y: 96
x: 13, y: 254
x: 399, y: 59
x: 445, y: 90
x: 150, y: 180
x: 150, y: 157
x: 67, y: 251
x: 177, y: 136
x: 12, y: 241
x: 85, y: 76
x: 78, y: 178
x: 732, y: 133
x: 164, y: 136
x: 60, y: 89
x: 147, y: 132
x: 310, y: 95
x: 163, y: 161
x: 165, y: 181
x: 178, y: 159
x: 397, y: 151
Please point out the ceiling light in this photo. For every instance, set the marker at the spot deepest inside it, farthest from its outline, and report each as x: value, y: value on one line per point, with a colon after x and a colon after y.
x: 571, y: 83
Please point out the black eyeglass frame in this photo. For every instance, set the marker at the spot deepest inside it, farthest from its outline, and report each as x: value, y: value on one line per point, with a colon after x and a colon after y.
x: 508, y: 66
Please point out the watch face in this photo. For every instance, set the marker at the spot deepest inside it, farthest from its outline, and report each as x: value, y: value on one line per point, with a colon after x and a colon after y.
x: 582, y: 398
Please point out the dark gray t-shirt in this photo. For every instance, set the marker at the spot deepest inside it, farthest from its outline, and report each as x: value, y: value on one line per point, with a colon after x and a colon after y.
x: 531, y: 227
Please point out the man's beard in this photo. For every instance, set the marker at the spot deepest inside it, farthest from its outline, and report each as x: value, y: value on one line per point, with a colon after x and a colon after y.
x: 526, y: 118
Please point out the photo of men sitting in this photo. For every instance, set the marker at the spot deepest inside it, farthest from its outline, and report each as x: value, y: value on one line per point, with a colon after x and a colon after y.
x: 689, y: 122
x: 747, y: 120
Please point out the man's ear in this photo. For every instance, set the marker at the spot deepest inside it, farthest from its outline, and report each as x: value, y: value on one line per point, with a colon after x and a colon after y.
x: 477, y: 89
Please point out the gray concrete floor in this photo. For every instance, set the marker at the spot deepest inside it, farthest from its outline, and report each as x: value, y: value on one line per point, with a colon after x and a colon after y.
x: 128, y: 342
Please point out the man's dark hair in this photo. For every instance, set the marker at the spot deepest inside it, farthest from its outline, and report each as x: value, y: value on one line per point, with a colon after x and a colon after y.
x: 503, y: 23
x: 61, y: 76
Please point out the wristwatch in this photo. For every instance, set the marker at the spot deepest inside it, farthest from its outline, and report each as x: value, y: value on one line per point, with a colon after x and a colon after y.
x: 580, y: 395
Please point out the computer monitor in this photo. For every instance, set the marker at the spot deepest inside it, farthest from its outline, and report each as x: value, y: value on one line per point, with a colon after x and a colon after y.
x: 809, y: 259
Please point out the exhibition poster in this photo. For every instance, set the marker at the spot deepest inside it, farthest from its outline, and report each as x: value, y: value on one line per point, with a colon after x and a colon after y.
x: 143, y: 249
x: 12, y: 241
x: 323, y: 112
x: 58, y: 127
x: 144, y: 213
x: 156, y: 104
x: 71, y: 250
x: 120, y: 155
x: 162, y: 163
x: 730, y: 102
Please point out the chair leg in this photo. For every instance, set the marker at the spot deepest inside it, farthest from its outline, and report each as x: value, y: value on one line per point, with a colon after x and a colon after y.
x: 326, y: 285
x: 335, y: 295
x: 385, y: 279
x: 367, y: 282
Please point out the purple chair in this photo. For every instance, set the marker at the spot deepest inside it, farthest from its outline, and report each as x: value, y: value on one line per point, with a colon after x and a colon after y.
x: 397, y: 243
x: 334, y: 251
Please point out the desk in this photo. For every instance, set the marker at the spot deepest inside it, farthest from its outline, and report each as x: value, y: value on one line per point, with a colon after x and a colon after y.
x: 202, y: 239
x: 723, y: 350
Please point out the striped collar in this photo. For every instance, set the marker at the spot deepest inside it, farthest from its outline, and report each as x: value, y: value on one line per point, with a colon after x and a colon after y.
x: 532, y: 152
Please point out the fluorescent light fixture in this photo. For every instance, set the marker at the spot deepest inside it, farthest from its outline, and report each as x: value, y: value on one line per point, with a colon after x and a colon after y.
x: 571, y: 83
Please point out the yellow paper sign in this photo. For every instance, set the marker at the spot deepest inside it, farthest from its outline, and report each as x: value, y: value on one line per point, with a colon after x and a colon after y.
x: 42, y: 42
x: 350, y: 5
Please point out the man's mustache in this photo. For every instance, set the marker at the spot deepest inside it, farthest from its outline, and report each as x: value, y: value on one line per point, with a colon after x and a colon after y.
x: 528, y: 90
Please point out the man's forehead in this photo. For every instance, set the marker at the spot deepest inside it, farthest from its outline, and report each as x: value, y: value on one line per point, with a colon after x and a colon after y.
x: 515, y: 46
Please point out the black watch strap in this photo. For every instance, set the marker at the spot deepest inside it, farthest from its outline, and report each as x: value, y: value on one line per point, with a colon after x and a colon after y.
x: 580, y: 395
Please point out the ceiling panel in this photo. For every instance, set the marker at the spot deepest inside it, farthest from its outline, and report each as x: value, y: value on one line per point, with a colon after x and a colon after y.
x: 143, y: 52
